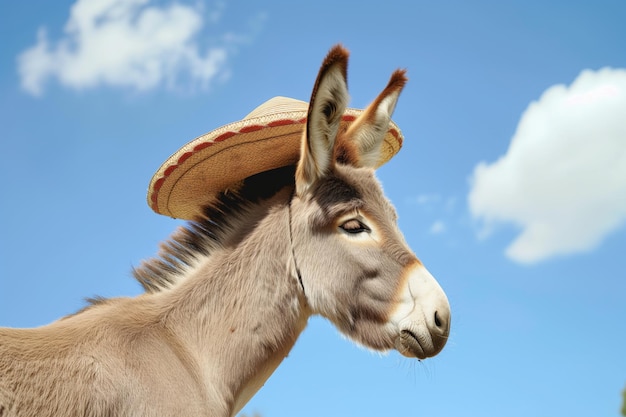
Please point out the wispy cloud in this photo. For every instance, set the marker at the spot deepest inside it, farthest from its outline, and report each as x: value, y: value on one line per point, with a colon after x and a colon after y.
x: 129, y: 43
x: 563, y: 178
x: 436, y: 210
x: 438, y: 227
x: 434, y: 201
x: 427, y: 199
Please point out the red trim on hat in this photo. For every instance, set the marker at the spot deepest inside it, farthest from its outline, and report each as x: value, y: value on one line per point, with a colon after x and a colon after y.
x: 396, y: 135
x: 222, y: 137
x: 251, y: 128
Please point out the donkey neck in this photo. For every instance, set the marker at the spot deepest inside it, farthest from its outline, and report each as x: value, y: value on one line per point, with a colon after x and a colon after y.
x: 240, y: 311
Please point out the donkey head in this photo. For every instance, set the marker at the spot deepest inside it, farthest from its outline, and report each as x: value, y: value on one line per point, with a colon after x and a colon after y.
x: 354, y: 264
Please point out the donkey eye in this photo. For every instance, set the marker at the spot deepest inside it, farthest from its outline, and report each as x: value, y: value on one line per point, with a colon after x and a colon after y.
x: 354, y: 226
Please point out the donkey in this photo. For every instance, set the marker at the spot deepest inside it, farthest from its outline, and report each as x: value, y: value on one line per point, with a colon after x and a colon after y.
x: 229, y: 293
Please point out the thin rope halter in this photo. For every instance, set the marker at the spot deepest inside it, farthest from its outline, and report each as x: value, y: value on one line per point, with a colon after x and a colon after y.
x: 293, y: 250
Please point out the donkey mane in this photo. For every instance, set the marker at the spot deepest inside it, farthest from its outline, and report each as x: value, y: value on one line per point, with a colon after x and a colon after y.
x: 212, y: 230
x: 226, y: 221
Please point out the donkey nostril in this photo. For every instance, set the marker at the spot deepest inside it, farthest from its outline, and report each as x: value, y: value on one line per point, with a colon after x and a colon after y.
x: 437, y: 320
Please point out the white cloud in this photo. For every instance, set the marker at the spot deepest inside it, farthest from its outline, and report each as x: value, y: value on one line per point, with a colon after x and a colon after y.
x: 563, y: 178
x: 127, y: 43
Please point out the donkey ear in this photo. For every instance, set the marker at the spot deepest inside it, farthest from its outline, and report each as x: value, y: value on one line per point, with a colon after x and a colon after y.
x: 360, y: 145
x: 326, y: 107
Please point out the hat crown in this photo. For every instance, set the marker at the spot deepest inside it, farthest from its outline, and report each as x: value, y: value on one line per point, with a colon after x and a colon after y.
x: 278, y: 105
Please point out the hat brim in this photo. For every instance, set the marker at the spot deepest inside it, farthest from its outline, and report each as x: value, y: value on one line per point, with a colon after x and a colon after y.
x: 193, y: 177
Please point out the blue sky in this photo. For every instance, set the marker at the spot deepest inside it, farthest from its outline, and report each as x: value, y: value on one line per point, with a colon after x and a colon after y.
x: 511, y: 185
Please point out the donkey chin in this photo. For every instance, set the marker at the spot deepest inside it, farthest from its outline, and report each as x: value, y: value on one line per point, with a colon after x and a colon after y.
x: 421, y: 319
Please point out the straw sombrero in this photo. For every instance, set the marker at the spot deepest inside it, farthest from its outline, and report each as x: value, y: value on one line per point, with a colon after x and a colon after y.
x: 267, y: 138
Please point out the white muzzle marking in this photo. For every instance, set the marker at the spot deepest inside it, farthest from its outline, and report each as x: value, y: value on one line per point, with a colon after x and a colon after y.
x: 422, y: 316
